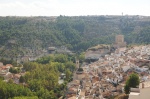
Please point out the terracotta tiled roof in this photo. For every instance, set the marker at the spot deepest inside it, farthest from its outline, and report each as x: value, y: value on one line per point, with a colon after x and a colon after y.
x: 3, y: 67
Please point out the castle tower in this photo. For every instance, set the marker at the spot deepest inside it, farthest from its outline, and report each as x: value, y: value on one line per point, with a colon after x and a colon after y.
x: 119, y: 38
x: 119, y: 41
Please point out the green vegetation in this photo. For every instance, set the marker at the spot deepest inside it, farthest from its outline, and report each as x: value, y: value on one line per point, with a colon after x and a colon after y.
x: 81, y: 57
x: 14, y: 70
x: 10, y: 90
x: 1, y: 78
x: 132, y: 82
x: 144, y: 36
x: 41, y: 79
x: 21, y: 35
x: 80, y: 69
x: 34, y: 97
x: 6, y: 61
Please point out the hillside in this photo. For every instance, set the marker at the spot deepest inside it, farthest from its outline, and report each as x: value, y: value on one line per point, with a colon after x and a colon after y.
x: 30, y: 35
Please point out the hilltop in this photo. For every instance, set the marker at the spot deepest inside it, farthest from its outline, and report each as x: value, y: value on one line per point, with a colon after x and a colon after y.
x: 31, y: 35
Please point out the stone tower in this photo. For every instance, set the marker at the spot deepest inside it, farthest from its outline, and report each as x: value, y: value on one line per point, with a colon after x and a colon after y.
x: 119, y: 38
x: 119, y: 41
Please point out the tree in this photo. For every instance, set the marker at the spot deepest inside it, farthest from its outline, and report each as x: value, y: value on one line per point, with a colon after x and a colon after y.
x: 25, y: 97
x: 21, y: 80
x: 126, y: 89
x: 10, y: 81
x: 44, y: 60
x: 132, y: 82
x: 1, y: 78
x: 60, y: 58
x: 14, y: 70
x: 80, y: 69
x: 70, y: 65
x: 82, y: 57
x: 68, y: 74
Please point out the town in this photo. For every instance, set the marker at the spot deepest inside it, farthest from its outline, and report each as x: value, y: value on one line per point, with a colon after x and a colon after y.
x: 8, y: 76
x: 104, y: 74
x: 106, y: 77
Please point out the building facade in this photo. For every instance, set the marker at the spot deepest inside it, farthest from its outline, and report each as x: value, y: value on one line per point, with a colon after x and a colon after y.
x: 119, y: 41
x: 142, y: 92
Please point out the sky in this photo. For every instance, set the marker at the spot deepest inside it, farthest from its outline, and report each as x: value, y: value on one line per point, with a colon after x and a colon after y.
x: 73, y: 7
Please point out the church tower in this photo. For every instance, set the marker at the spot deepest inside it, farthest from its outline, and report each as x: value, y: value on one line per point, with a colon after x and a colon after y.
x: 77, y: 64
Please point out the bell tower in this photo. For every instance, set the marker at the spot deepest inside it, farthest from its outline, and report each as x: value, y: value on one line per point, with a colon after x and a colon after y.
x: 77, y: 64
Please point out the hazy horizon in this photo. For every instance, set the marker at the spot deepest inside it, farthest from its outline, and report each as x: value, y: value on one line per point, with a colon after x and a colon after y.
x: 73, y: 7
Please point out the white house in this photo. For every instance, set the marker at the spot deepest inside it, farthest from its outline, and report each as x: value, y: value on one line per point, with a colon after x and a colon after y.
x: 142, y: 92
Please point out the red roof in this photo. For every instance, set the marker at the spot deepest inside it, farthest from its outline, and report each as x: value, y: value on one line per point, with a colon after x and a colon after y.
x: 3, y: 67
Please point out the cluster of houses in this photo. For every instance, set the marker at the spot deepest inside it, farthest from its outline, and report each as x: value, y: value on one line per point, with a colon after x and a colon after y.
x: 106, y: 77
x: 4, y: 72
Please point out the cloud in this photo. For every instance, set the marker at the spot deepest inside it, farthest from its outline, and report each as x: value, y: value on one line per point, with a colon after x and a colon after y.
x: 73, y: 7
x: 26, y: 9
